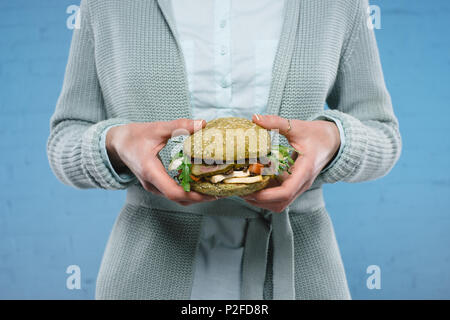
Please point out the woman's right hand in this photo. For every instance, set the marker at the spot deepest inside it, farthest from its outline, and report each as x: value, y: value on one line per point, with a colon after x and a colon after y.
x: 136, y: 146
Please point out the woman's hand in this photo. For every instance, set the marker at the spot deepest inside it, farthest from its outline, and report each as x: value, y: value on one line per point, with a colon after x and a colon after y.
x: 136, y: 146
x: 317, y: 141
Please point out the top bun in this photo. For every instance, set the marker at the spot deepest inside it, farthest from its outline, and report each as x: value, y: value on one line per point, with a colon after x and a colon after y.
x: 228, y: 140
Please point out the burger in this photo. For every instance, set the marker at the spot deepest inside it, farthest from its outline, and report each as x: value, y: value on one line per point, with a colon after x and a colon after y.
x: 229, y: 157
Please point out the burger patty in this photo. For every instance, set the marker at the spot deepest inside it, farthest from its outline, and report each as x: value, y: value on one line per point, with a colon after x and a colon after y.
x: 204, y: 170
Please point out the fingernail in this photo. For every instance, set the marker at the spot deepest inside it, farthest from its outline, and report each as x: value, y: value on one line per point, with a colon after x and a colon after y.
x: 257, y: 117
x: 198, y: 123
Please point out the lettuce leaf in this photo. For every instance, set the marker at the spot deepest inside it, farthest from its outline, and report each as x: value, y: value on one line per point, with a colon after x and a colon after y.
x: 185, y: 174
x: 282, y: 155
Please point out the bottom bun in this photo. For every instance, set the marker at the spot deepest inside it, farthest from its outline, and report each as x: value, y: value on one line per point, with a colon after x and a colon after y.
x: 229, y: 189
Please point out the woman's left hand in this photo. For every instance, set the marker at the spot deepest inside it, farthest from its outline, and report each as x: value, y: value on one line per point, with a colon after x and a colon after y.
x: 318, y: 141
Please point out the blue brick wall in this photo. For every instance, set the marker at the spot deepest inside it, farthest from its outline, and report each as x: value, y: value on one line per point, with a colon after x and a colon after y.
x: 400, y: 223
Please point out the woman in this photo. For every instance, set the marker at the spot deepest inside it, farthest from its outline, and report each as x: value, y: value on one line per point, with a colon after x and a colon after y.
x: 138, y: 71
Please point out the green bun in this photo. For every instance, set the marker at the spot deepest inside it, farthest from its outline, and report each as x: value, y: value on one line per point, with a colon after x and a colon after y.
x: 228, y: 190
x: 243, y: 138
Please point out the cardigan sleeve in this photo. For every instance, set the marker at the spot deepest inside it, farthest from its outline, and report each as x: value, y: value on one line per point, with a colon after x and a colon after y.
x: 73, y: 147
x: 360, y: 101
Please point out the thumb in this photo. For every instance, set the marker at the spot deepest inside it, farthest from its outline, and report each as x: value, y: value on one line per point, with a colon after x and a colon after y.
x: 180, y: 127
x: 271, y: 122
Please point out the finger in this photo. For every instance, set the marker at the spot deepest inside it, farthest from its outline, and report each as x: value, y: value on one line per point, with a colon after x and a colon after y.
x: 272, y: 122
x: 281, y: 193
x: 203, y: 198
x: 188, y: 203
x: 272, y: 195
x: 178, y: 127
x: 281, y: 177
x: 278, y: 206
x: 150, y: 187
x: 288, y: 188
x: 273, y: 182
x: 165, y: 184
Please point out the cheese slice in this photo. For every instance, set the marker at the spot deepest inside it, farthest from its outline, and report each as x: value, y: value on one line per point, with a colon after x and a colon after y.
x: 244, y: 179
x: 235, y: 174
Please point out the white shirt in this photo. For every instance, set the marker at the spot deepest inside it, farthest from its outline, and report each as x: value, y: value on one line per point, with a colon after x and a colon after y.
x: 229, y: 48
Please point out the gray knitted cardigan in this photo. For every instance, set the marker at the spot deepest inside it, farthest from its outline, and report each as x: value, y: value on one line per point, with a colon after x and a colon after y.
x: 125, y: 65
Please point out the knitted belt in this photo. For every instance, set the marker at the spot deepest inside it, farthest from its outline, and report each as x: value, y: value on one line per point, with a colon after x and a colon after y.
x: 261, y: 225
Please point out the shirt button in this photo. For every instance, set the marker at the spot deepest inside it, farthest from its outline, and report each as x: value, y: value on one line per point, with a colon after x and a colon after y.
x: 224, y: 83
x: 223, y: 23
x: 223, y: 50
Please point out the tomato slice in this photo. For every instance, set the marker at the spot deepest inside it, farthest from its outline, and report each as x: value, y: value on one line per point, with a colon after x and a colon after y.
x: 194, y: 178
x: 256, y: 168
